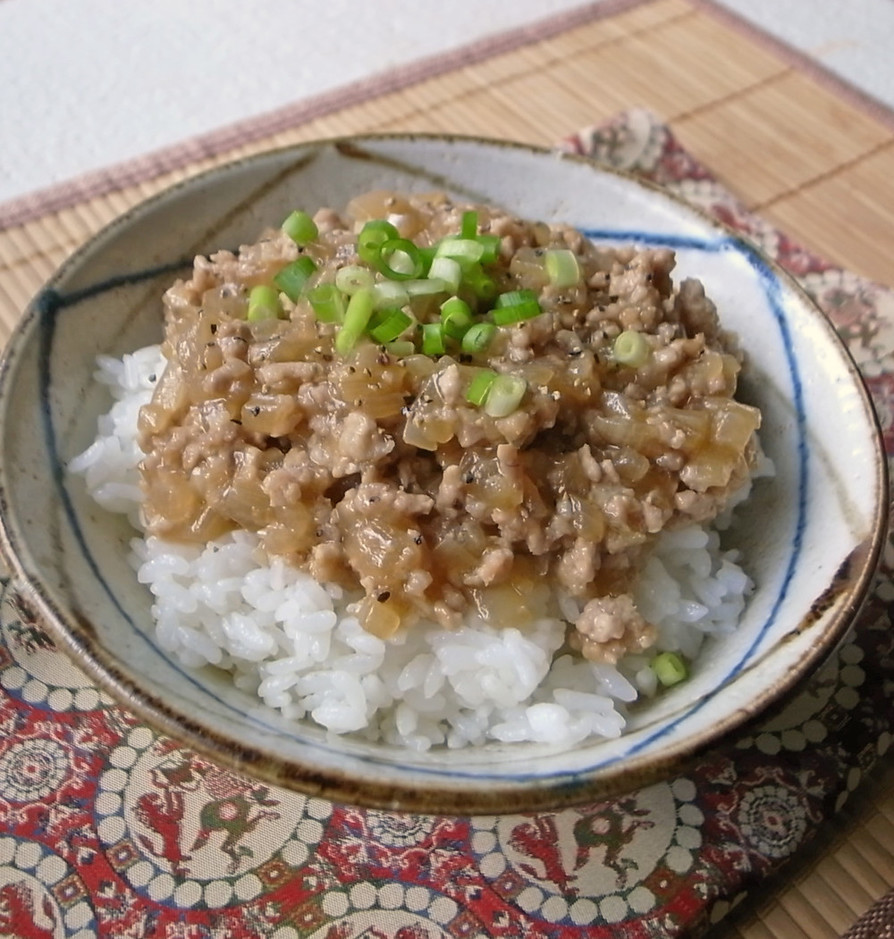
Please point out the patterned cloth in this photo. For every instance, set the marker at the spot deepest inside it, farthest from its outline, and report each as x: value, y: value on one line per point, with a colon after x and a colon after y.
x: 108, y: 829
x: 877, y: 922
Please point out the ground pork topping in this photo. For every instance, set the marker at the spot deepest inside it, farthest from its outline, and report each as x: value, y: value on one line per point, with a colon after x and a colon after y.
x: 376, y: 464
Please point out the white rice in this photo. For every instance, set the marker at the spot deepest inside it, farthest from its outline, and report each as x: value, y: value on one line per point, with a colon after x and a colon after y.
x: 296, y: 645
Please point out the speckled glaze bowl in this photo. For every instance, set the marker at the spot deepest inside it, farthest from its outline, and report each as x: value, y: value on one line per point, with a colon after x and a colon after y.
x: 810, y: 538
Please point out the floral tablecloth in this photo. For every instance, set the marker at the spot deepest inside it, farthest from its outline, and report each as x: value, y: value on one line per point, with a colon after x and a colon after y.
x: 108, y: 829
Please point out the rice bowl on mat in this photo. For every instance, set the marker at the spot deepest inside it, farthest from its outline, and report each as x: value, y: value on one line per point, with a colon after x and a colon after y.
x: 288, y: 654
x: 481, y: 565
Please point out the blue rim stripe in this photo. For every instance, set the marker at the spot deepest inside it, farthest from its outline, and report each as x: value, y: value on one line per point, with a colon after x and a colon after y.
x: 50, y: 303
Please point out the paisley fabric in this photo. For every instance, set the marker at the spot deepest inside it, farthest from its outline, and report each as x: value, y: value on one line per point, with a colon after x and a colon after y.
x: 109, y: 829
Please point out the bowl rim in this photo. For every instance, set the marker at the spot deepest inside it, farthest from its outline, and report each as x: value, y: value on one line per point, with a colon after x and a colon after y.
x: 335, y: 784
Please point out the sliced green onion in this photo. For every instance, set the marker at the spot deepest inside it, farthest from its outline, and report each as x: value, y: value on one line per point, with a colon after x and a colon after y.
x: 478, y: 337
x: 480, y: 283
x: 352, y: 278
x: 300, y: 227
x: 465, y: 250
x: 505, y: 395
x: 377, y: 317
x: 469, y: 225
x: 393, y: 324
x: 401, y: 347
x: 328, y: 303
x: 670, y: 668
x: 400, y: 259
x: 293, y: 278
x: 515, y: 306
x: 360, y: 308
x: 631, y: 348
x: 432, y: 339
x: 456, y: 317
x: 429, y: 287
x: 447, y: 270
x: 371, y: 238
x: 480, y: 385
x: 562, y: 267
x: 263, y: 303
x: 427, y: 253
x: 490, y: 245
x: 390, y: 294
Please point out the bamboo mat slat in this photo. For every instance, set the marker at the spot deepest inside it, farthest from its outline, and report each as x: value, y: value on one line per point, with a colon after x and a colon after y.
x: 862, y: 240
x: 779, y: 136
x: 797, y: 149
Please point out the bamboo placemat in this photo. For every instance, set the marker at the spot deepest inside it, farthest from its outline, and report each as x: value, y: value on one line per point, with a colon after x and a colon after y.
x: 810, y: 156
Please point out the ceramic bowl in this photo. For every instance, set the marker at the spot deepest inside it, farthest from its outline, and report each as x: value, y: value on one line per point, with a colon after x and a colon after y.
x: 810, y: 539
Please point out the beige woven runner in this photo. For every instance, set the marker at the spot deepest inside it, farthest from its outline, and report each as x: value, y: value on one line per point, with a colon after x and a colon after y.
x: 811, y: 156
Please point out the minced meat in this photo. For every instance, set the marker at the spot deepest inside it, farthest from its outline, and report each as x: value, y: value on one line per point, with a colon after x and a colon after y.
x: 375, y: 470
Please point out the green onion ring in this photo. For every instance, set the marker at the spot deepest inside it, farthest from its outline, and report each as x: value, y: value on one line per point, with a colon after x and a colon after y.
x: 352, y: 278
x: 562, y: 267
x: 447, y: 270
x: 371, y: 238
x: 456, y: 317
x: 631, y: 348
x: 505, y: 395
x: 465, y: 250
x: 432, y: 339
x: 392, y: 325
x: 480, y: 385
x: 328, y: 303
x: 390, y: 294
x: 670, y: 668
x: 491, y: 248
x: 293, y: 278
x: 515, y: 306
x: 360, y: 308
x: 478, y: 337
x: 409, y: 260
x: 263, y: 303
x: 300, y: 227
